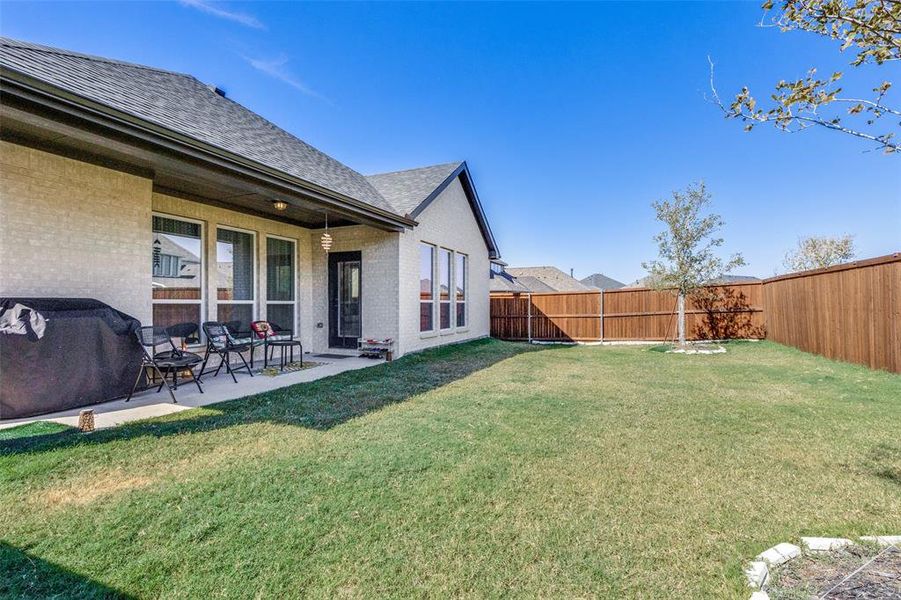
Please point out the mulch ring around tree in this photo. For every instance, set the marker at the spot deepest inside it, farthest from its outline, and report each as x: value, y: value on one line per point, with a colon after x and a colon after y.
x: 857, y: 572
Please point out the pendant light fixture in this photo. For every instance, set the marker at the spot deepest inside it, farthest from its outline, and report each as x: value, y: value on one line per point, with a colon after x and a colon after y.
x: 326, y: 239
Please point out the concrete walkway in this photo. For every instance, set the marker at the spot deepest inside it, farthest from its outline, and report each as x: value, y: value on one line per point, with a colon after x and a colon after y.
x: 149, y: 403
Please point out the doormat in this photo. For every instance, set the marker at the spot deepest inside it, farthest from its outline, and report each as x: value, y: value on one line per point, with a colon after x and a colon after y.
x: 336, y: 356
x: 289, y: 368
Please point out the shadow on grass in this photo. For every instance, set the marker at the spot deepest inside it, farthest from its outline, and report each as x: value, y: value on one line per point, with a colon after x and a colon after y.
x: 320, y: 404
x: 23, y: 575
x: 884, y: 461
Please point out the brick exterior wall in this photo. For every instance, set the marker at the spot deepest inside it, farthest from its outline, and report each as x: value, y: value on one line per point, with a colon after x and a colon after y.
x: 70, y: 228
x: 447, y: 222
x: 73, y: 229
x: 379, y: 251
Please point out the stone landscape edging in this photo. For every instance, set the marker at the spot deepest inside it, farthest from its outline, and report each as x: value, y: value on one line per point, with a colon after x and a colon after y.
x: 758, y: 570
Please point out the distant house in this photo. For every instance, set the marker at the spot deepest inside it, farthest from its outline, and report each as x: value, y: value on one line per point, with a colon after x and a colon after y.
x: 599, y: 281
x: 647, y: 281
x: 533, y: 279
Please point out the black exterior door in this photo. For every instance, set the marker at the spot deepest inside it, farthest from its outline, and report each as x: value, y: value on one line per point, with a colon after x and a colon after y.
x: 345, y: 286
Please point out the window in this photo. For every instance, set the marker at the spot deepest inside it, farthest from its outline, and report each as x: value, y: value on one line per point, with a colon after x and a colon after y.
x: 350, y: 322
x: 167, y: 265
x: 426, y: 287
x: 444, y: 288
x: 460, y: 282
x: 280, y: 298
x: 177, y: 268
x: 235, y: 278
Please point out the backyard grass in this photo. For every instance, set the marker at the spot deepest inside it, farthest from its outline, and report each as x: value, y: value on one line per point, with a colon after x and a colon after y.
x: 32, y: 429
x: 485, y: 469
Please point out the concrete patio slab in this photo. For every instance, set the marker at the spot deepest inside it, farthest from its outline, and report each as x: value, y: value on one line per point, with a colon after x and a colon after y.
x: 149, y: 403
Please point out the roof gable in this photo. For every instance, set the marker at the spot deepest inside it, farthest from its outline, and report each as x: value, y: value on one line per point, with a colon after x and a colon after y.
x: 406, y: 190
x: 410, y: 192
x: 182, y: 104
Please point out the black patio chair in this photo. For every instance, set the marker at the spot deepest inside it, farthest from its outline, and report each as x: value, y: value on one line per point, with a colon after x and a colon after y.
x: 221, y: 342
x: 189, y: 332
x: 168, y: 362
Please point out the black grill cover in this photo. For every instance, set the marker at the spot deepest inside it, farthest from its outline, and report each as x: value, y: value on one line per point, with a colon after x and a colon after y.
x: 88, y: 354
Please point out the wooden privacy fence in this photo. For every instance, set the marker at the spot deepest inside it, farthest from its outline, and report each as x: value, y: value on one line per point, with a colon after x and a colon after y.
x: 850, y: 312
x: 633, y: 314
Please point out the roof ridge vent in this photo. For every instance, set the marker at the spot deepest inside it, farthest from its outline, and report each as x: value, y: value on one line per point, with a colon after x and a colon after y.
x: 217, y: 90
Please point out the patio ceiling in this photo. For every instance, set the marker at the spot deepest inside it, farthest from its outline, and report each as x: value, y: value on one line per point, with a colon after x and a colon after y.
x: 37, y: 119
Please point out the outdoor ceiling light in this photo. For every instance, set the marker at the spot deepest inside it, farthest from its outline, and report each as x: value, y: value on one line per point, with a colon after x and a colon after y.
x: 279, y: 205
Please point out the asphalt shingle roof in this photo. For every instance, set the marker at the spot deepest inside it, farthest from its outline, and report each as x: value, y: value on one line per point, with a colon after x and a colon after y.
x: 602, y: 282
x: 551, y: 277
x: 183, y: 104
x: 406, y: 190
x: 501, y: 282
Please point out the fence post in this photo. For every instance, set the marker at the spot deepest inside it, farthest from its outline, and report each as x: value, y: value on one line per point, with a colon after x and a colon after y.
x: 601, y: 315
x: 529, y: 319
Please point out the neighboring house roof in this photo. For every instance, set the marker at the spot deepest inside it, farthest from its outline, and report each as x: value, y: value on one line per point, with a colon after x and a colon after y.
x: 736, y: 279
x: 533, y: 284
x: 602, y: 282
x: 411, y: 191
x: 502, y: 282
x: 551, y: 277
x: 647, y: 281
x: 182, y: 104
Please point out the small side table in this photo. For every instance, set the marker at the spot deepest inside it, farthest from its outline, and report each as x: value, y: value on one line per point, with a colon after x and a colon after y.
x: 283, y: 345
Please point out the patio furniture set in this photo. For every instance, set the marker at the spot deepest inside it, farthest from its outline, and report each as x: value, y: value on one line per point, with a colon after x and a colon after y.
x: 222, y: 340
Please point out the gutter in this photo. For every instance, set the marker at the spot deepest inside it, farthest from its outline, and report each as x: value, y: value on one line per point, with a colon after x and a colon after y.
x: 33, y: 90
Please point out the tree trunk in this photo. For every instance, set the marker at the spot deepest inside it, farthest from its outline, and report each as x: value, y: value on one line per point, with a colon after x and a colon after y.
x: 681, y: 305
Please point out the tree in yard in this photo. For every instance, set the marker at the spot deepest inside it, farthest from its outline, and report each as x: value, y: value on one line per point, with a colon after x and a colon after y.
x: 687, y: 259
x: 818, y: 252
x: 873, y: 29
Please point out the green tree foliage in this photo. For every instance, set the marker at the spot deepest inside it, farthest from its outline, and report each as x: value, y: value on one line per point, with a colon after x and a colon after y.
x: 872, y: 28
x: 817, y: 252
x: 687, y: 247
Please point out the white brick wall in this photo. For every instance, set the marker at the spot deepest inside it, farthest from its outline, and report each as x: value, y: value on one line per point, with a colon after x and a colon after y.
x: 447, y: 222
x: 379, y: 251
x: 70, y: 228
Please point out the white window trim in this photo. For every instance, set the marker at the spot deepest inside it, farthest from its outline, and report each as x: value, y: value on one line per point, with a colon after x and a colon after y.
x: 203, y: 295
x: 254, y: 311
x: 450, y: 285
x: 294, y: 330
x: 435, y: 316
x: 465, y: 326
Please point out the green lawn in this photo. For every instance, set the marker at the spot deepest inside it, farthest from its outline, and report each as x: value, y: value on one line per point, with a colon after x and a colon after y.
x: 32, y: 429
x: 480, y: 470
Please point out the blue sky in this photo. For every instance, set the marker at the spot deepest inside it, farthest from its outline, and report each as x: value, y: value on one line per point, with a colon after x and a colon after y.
x: 573, y: 117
